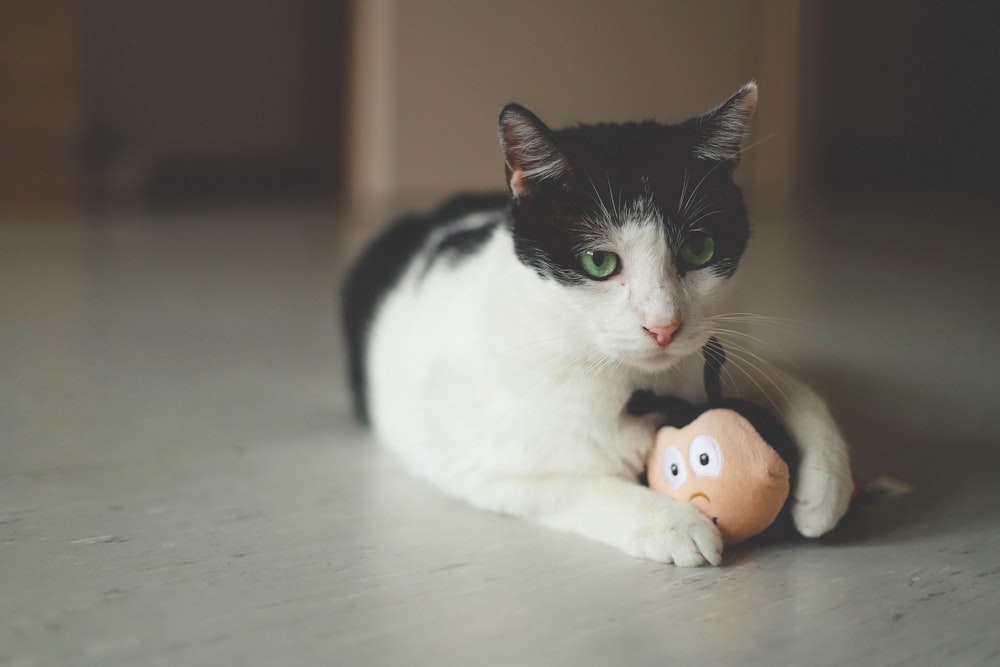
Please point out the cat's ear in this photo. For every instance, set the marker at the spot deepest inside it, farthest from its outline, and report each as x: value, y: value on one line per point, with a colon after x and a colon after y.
x: 530, y: 151
x: 721, y: 130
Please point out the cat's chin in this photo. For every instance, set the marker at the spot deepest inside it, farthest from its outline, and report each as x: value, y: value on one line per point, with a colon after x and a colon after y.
x: 660, y: 360
x: 656, y: 362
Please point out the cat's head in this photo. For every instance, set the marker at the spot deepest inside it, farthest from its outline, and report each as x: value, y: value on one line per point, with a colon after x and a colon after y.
x: 639, y: 224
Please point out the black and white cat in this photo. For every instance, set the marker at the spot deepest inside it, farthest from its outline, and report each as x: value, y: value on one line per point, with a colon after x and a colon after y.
x: 495, y: 343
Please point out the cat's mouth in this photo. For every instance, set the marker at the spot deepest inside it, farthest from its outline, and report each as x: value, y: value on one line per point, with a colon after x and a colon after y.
x: 648, y: 357
x: 661, y: 358
x: 677, y: 349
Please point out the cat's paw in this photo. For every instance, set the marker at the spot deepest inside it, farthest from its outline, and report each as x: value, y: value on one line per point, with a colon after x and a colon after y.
x: 680, y: 535
x: 822, y: 494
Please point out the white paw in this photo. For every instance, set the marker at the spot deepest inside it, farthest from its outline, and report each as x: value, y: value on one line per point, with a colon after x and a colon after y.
x: 822, y: 494
x: 680, y: 534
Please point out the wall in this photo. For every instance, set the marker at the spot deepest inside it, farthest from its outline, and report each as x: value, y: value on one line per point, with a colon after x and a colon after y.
x: 233, y: 96
x: 41, y: 118
x: 431, y: 76
x: 187, y: 76
x: 909, y: 102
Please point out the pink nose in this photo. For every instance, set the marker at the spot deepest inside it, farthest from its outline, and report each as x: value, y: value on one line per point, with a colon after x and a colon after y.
x: 662, y: 334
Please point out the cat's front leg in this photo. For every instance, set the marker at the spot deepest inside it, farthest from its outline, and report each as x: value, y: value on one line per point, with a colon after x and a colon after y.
x: 824, y: 485
x: 609, y: 509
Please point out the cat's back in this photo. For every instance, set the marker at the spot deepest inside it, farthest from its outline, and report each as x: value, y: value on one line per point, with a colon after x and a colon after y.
x: 412, y: 246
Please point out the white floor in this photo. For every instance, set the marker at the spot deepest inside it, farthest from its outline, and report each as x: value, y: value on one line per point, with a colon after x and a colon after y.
x: 181, y: 483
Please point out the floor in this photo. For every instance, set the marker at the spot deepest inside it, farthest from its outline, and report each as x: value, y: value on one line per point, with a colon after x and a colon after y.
x: 181, y: 483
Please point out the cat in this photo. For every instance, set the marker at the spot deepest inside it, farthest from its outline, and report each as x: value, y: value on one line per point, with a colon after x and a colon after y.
x: 494, y: 343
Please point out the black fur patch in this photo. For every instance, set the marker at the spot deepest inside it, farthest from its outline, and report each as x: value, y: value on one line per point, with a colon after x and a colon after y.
x: 382, y: 265
x: 612, y: 168
x: 460, y: 243
x: 465, y: 242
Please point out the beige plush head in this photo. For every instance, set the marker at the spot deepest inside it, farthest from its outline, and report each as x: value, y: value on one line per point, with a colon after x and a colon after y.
x: 722, y: 466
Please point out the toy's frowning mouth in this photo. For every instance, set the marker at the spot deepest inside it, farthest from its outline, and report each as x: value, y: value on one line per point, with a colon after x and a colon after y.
x: 696, y: 495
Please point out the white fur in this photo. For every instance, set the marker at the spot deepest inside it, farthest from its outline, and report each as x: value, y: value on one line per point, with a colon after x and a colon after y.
x: 507, y: 390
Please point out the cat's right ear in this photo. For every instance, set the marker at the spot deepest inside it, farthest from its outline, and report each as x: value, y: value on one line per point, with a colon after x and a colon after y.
x: 722, y: 129
x: 530, y: 151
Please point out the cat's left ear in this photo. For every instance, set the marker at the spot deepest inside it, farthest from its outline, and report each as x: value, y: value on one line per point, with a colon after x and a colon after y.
x: 721, y: 130
x: 530, y: 151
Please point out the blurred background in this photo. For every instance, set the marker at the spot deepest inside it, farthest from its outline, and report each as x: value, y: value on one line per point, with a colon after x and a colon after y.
x: 183, y: 184
x: 871, y: 167
x: 247, y: 100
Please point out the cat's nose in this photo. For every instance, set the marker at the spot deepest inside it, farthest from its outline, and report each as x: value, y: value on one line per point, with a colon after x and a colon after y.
x: 662, y: 334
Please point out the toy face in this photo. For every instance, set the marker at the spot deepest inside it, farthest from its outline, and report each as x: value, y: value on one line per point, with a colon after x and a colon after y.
x: 720, y: 464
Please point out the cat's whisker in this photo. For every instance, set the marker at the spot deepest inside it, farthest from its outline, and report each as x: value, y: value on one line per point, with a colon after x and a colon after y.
x: 755, y: 316
x: 738, y: 365
x: 738, y: 352
x: 740, y: 340
x: 707, y: 215
x: 722, y: 332
x: 739, y: 358
x: 701, y: 206
x: 798, y: 327
x: 702, y: 182
x: 799, y: 330
x: 599, y: 363
x: 600, y: 200
x: 611, y: 194
x: 746, y: 354
x: 589, y: 362
x: 697, y: 230
x: 733, y: 387
x: 684, y: 186
x: 744, y: 149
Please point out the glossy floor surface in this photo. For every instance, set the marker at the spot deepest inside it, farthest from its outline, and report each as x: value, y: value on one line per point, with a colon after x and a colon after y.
x: 181, y: 483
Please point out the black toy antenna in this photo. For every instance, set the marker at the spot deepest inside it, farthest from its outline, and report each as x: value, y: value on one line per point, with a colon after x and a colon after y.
x: 715, y: 356
x: 673, y: 411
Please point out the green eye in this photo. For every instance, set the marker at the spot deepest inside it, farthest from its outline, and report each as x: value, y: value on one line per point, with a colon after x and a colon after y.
x: 697, y: 251
x: 599, y: 264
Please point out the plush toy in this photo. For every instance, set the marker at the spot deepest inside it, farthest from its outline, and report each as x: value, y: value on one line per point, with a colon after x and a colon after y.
x: 730, y: 458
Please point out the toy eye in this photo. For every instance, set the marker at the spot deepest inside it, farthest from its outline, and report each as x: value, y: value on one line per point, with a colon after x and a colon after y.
x: 706, y: 456
x: 674, y: 469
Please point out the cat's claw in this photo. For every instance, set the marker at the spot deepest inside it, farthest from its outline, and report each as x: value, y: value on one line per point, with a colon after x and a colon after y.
x: 686, y: 539
x: 822, y: 495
